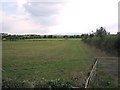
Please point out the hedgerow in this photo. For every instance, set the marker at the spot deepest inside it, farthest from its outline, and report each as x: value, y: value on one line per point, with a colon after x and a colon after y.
x: 57, y: 83
x: 108, y: 43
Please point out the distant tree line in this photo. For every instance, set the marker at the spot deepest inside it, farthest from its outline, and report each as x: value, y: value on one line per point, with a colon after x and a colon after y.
x: 6, y: 36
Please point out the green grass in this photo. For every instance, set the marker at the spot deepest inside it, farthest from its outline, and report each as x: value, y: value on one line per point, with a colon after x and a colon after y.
x: 52, y: 39
x: 106, y: 74
x: 34, y: 60
x: 104, y: 80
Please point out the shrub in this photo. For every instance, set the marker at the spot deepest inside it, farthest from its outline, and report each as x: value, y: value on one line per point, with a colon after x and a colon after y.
x: 10, y: 83
x: 108, y: 43
x: 57, y: 83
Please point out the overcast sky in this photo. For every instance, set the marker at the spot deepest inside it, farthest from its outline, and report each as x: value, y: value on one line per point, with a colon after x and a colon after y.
x: 58, y: 16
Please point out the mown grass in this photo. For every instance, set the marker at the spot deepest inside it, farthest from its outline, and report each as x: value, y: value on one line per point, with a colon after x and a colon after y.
x: 52, y: 39
x: 34, y: 60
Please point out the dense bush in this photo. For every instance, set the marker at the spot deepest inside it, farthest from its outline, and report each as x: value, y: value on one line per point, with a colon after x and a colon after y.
x: 10, y: 83
x: 108, y: 43
x: 57, y: 83
x: 53, y: 83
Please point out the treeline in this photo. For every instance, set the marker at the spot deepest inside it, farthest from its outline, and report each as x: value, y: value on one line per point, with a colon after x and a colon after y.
x: 103, y: 40
x: 6, y: 36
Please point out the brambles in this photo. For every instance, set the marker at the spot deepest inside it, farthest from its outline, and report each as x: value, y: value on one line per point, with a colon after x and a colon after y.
x: 10, y: 83
x: 57, y: 83
x: 103, y: 40
x: 109, y: 44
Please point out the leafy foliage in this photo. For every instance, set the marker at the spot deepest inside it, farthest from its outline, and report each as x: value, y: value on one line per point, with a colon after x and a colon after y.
x: 101, y: 32
x: 103, y: 40
x: 57, y: 83
x: 109, y: 43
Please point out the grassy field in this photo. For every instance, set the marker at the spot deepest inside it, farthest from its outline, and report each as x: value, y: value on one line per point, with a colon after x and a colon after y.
x: 52, y: 39
x: 35, y: 60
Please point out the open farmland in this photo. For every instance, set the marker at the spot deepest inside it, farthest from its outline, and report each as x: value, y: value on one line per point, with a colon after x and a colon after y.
x: 35, y: 60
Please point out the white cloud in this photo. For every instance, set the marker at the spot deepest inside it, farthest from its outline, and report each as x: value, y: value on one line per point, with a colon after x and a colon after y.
x: 44, y: 13
x: 25, y: 21
x: 20, y: 8
x: 85, y: 16
x: 20, y: 25
x: 72, y: 16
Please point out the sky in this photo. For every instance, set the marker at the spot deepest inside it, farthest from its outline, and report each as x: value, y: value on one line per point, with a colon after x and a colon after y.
x: 58, y: 16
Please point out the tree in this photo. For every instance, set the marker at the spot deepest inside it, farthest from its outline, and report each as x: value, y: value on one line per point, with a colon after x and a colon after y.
x: 101, y: 32
x: 77, y: 36
x: 65, y: 36
x: 91, y: 35
x: 84, y: 36
x: 50, y: 36
x: 44, y: 36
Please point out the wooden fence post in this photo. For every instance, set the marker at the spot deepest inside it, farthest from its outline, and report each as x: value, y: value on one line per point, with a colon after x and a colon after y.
x: 91, y: 73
